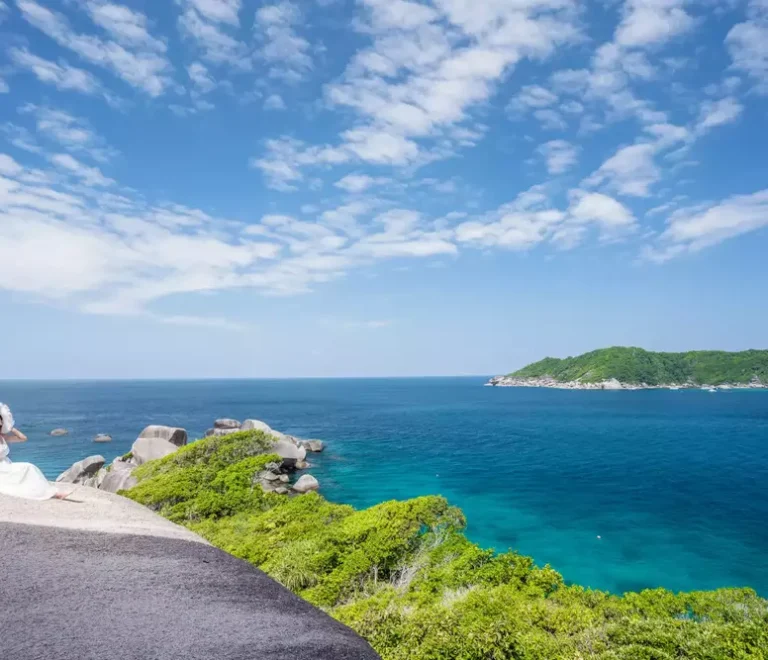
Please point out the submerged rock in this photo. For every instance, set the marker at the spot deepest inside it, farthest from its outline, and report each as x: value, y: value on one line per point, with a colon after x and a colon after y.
x: 82, y: 470
x: 306, y: 483
x: 59, y: 432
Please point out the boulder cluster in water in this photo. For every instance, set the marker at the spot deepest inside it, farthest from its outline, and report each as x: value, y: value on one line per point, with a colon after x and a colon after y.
x: 156, y: 442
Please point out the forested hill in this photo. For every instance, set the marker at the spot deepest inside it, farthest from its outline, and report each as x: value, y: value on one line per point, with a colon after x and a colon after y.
x: 635, y: 365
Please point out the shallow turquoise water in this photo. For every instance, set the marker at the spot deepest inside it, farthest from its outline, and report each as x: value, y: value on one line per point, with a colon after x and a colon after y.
x: 675, y: 484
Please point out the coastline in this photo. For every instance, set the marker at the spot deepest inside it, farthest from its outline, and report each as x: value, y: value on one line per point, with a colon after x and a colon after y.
x: 614, y: 384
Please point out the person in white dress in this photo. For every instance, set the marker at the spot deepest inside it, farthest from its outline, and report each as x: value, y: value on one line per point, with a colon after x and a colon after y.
x: 20, y: 479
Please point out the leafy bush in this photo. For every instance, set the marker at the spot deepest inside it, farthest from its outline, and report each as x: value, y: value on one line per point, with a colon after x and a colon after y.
x: 403, y: 575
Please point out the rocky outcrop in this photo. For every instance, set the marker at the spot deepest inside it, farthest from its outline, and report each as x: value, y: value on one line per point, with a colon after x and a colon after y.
x: 305, y: 484
x: 313, y: 445
x: 59, y: 432
x: 82, y: 471
x: 227, y: 424
x: 119, y: 476
x: 103, y: 437
x: 157, y: 442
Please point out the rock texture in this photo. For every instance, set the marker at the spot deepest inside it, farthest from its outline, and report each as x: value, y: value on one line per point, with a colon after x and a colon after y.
x: 227, y: 424
x: 157, y: 442
x: 59, y: 432
x: 313, y: 445
x: 103, y: 437
x: 306, y: 483
x: 82, y: 471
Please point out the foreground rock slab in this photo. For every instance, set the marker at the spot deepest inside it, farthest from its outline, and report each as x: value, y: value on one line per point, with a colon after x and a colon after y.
x: 163, y: 593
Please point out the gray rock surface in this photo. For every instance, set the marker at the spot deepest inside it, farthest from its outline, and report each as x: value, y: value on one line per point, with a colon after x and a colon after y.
x: 313, y: 445
x: 306, y: 483
x: 226, y: 424
x: 157, y: 442
x: 103, y: 437
x: 118, y: 478
x: 100, y: 596
x: 59, y: 432
x: 82, y: 470
x: 172, y: 434
x: 255, y: 425
x: 285, y: 449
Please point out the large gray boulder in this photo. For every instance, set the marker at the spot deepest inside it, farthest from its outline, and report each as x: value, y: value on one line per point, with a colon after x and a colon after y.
x: 82, y: 470
x: 103, y: 437
x: 120, y: 477
x: 231, y: 424
x: 256, y: 425
x: 306, y: 483
x: 58, y: 432
x: 289, y: 451
x: 157, y: 442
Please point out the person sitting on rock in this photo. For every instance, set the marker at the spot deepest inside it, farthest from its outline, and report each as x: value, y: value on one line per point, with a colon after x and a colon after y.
x: 20, y: 479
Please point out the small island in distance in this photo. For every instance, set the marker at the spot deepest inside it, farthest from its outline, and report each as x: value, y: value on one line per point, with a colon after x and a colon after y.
x: 629, y: 368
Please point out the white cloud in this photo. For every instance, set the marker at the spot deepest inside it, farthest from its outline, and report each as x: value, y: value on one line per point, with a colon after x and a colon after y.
x: 650, y: 22
x: 143, y: 69
x: 559, y: 155
x: 610, y: 214
x: 61, y: 75
x: 693, y: 229
x: 748, y: 45
x: 125, y: 25
x: 200, y: 22
x: 415, y: 88
x: 357, y: 183
x: 630, y: 171
x: 91, y: 176
x: 4, y: 89
x: 286, y: 52
x: 70, y: 132
x: 718, y: 113
x: 198, y: 74
x: 551, y: 119
x: 532, y: 96
x: 274, y: 102
x: 221, y: 11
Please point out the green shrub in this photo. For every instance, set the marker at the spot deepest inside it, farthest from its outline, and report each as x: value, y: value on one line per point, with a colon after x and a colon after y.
x: 404, y: 576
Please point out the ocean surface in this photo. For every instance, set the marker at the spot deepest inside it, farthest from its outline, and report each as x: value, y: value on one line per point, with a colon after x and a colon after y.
x: 616, y: 490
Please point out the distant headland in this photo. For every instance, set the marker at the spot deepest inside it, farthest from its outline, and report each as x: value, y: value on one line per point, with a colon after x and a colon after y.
x: 629, y: 368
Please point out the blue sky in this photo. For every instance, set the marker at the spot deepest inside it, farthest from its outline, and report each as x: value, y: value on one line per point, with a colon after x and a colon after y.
x: 382, y: 187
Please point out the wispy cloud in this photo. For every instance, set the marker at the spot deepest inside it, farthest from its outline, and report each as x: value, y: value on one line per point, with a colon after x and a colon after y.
x: 143, y: 69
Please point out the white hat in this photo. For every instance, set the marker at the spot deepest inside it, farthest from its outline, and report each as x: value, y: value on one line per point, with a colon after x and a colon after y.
x: 7, y: 417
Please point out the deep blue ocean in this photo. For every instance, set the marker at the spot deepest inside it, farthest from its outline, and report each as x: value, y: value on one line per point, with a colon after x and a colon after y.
x: 616, y: 490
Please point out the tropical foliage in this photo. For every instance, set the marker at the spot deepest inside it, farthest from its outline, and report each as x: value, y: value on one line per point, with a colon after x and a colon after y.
x: 404, y: 576
x: 635, y: 365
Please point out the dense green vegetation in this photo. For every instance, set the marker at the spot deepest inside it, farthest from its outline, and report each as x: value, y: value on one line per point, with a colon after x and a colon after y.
x: 635, y: 365
x: 405, y: 577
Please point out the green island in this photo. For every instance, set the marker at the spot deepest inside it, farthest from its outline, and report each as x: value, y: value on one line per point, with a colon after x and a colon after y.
x: 403, y: 575
x: 636, y: 367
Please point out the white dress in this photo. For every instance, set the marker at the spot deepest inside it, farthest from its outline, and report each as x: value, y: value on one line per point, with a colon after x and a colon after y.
x: 20, y: 479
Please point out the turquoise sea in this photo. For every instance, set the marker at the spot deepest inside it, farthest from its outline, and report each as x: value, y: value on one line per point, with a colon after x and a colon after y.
x: 616, y: 490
